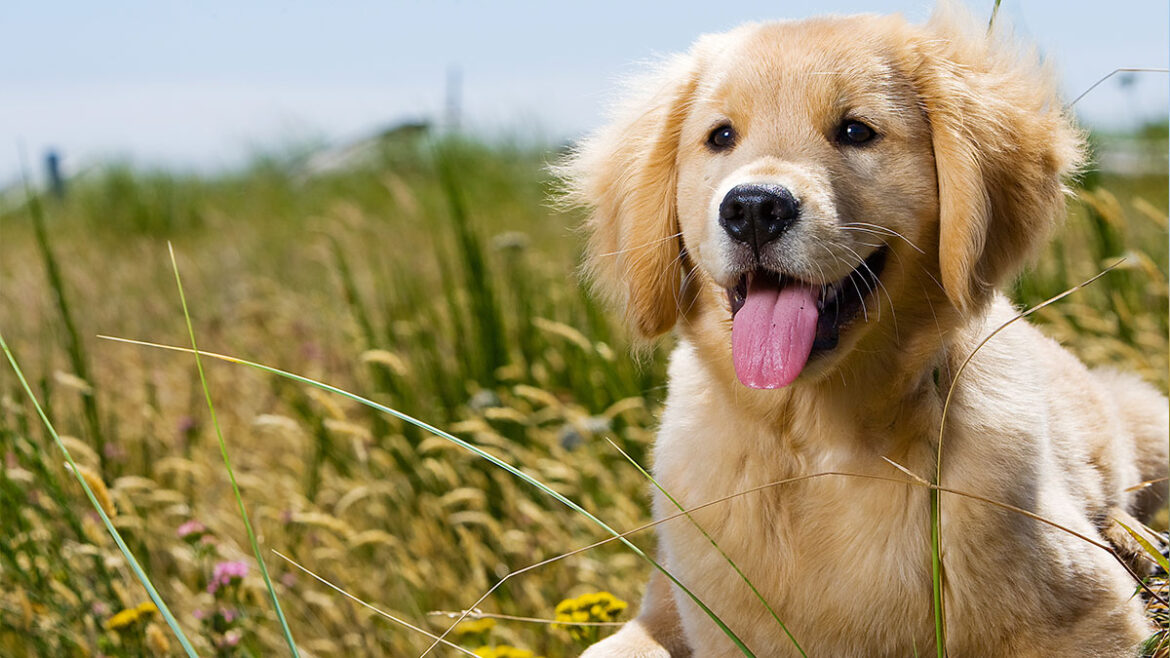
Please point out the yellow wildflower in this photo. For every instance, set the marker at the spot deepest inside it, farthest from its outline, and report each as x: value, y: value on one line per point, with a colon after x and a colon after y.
x: 588, y: 608
x: 475, y: 626
x: 503, y: 651
x: 122, y: 620
x: 131, y: 616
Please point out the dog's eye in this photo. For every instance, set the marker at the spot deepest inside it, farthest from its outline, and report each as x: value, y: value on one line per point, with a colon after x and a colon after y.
x: 722, y: 138
x: 855, y: 132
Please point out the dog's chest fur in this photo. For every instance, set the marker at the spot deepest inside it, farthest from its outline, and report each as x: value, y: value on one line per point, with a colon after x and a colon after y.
x: 830, y: 552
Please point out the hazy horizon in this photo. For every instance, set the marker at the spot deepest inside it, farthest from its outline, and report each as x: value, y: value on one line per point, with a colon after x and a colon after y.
x: 205, y: 87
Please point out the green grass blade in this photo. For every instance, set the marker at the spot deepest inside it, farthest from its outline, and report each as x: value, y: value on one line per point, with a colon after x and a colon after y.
x: 994, y: 14
x: 1154, y: 553
x: 134, y: 566
x: 477, y: 451
x: 485, y: 307
x: 711, y: 539
x: 74, y: 346
x: 292, y: 645
x: 940, y: 629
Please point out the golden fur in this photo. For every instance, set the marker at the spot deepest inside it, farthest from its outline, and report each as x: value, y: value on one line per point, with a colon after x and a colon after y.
x: 965, y: 183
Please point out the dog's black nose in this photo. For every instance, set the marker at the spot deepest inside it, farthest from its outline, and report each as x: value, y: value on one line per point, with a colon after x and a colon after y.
x: 757, y: 214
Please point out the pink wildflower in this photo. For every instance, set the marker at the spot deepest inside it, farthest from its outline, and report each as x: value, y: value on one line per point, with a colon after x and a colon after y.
x: 226, y: 574
x: 191, y: 531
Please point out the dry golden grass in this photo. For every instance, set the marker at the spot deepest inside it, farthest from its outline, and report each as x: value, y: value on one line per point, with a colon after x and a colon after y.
x: 458, y: 307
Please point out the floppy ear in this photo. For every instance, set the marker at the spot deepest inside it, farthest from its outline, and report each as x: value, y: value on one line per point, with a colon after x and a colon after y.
x: 1003, y: 146
x: 626, y: 174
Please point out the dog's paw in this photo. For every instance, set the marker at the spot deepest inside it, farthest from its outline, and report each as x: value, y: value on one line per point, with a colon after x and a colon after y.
x: 631, y: 641
x: 607, y: 649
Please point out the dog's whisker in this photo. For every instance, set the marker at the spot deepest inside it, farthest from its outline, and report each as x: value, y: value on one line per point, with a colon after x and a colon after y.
x: 688, y: 278
x: 937, y: 326
x: 893, y: 309
x: 931, y: 277
x: 837, y: 259
x: 890, y: 299
x: 866, y: 226
x: 638, y: 247
x: 869, y: 288
x: 933, y: 314
x: 882, y: 286
x: 648, y: 253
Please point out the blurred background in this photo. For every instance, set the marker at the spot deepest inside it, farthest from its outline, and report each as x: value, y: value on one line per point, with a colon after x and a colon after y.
x: 206, y: 86
x: 359, y: 193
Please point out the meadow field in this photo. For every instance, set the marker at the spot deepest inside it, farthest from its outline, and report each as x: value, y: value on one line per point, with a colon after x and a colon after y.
x: 433, y: 277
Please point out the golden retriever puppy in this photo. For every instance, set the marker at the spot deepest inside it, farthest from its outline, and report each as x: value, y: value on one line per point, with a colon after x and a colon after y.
x: 823, y: 210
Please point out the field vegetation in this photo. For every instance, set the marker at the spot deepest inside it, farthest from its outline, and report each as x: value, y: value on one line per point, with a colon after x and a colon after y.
x: 433, y: 278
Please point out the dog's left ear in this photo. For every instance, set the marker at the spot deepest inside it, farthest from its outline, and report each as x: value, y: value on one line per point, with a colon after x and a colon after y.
x: 1003, y: 145
x: 626, y: 175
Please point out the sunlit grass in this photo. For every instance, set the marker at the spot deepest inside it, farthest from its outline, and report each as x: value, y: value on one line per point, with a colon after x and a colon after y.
x: 370, y: 279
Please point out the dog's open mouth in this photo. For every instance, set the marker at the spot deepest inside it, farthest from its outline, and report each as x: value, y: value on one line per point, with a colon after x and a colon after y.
x: 779, y: 322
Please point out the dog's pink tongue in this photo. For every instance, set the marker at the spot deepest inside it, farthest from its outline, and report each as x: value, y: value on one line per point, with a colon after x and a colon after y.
x: 772, y: 335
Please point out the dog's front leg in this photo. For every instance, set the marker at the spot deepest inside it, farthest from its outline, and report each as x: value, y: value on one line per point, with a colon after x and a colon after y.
x: 656, y: 633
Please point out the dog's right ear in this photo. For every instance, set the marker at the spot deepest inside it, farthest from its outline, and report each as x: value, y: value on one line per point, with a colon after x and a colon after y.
x: 1004, y: 145
x: 626, y: 175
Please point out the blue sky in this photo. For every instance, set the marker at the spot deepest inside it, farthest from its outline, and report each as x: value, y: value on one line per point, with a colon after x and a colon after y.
x: 202, y: 85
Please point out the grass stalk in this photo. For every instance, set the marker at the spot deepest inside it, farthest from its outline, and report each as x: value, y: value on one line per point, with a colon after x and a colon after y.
x: 1153, y: 553
x: 292, y: 645
x: 74, y: 346
x: 485, y: 310
x: 994, y: 15
x: 383, y: 381
x: 936, y: 589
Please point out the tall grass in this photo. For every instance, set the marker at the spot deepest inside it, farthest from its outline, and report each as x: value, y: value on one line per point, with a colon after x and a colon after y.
x: 74, y: 347
x: 431, y: 280
x: 227, y: 464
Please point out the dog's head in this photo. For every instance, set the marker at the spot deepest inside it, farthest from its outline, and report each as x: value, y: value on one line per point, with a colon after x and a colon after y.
x: 797, y: 186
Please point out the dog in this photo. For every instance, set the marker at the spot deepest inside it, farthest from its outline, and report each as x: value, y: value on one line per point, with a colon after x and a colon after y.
x: 823, y: 211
